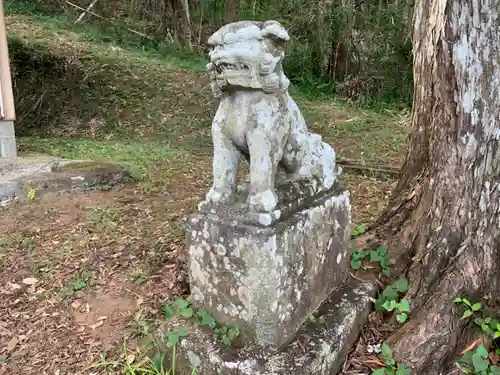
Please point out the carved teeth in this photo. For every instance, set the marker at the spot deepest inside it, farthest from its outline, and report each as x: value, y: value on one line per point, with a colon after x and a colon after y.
x: 220, y: 67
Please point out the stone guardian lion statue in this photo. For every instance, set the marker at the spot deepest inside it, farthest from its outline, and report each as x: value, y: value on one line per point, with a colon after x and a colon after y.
x: 258, y: 119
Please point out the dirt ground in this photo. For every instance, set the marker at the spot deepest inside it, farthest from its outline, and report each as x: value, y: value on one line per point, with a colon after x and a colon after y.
x: 81, y: 270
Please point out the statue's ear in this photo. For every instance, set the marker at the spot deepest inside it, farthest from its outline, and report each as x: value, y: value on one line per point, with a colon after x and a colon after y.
x: 274, y: 31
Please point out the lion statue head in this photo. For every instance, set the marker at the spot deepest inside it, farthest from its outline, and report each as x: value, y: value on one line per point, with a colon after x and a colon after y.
x: 248, y: 55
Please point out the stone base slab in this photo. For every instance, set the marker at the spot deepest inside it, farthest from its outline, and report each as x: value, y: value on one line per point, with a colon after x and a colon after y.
x: 319, y: 348
x: 45, y: 173
x: 293, y: 196
x: 268, y: 280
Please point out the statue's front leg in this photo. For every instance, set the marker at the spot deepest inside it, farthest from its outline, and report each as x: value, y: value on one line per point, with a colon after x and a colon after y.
x: 225, y: 167
x: 264, y: 158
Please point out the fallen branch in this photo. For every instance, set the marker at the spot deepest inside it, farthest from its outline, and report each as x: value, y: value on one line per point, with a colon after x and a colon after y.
x: 356, y: 278
x: 353, y: 164
x: 105, y: 19
x: 80, y: 17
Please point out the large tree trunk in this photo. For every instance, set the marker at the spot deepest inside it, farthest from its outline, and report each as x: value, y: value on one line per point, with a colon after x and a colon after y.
x: 444, y: 218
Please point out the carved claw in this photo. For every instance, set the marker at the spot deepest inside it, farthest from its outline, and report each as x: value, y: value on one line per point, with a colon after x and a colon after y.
x: 265, y: 201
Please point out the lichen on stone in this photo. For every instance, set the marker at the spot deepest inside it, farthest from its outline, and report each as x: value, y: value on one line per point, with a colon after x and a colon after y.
x: 267, y: 280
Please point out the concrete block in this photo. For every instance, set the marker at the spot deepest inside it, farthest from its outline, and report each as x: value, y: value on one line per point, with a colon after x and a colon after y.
x: 7, y: 140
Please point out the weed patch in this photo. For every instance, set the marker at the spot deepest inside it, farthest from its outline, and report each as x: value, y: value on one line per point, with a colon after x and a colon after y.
x: 105, y: 217
x: 79, y: 282
x: 477, y: 361
x: 182, y: 308
x: 377, y: 255
x: 390, y: 365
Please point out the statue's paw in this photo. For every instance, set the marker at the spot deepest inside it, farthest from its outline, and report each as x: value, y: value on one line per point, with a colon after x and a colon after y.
x: 213, y: 198
x: 265, y: 201
x: 216, y: 196
x: 329, y: 179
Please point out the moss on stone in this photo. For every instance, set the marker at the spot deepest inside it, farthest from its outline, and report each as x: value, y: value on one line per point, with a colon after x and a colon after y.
x: 79, y: 165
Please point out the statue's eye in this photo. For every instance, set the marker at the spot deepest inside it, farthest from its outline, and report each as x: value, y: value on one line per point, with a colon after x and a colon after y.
x: 210, y: 48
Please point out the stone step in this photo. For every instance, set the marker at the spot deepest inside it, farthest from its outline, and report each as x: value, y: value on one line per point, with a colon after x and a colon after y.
x: 50, y: 174
x: 325, y: 341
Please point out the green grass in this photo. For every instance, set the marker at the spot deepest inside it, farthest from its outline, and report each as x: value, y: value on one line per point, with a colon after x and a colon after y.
x: 144, y: 366
x: 88, y: 100
x: 115, y: 35
x: 31, y: 7
x: 95, y: 92
x: 139, y: 157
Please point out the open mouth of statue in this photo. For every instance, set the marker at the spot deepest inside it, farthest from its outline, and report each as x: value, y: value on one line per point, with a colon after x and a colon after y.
x: 224, y: 67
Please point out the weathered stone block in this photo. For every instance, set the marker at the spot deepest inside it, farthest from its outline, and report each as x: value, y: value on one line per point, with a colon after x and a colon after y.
x: 325, y: 341
x: 52, y: 174
x: 268, y: 280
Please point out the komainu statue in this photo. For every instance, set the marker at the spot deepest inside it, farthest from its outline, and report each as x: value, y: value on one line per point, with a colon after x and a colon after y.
x: 258, y: 119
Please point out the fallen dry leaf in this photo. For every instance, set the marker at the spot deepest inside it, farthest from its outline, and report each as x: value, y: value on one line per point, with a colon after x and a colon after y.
x: 373, y: 361
x: 130, y: 358
x: 471, y: 346
x: 97, y: 324
x: 30, y: 281
x: 12, y: 343
x: 13, y: 286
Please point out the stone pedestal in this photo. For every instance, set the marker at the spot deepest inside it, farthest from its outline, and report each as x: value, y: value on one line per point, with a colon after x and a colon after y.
x: 269, y: 280
x: 266, y: 256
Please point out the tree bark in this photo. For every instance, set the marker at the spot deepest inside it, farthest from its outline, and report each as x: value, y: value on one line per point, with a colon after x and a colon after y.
x: 231, y: 11
x: 444, y: 218
x: 186, y: 24
x: 179, y: 21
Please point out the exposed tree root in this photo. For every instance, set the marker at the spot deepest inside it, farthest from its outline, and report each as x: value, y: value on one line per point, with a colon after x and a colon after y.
x: 429, y: 342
